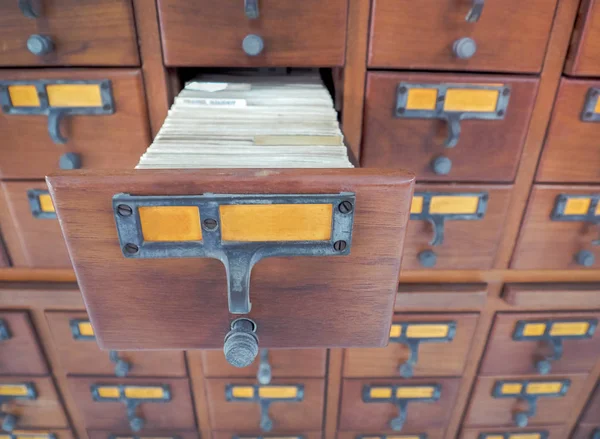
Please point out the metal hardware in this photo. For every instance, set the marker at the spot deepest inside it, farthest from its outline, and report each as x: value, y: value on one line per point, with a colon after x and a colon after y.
x: 136, y: 423
x: 69, y: 160
x: 427, y: 258
x: 413, y: 340
x: 253, y: 45
x: 29, y: 435
x: 555, y: 342
x: 441, y: 165
x: 4, y: 331
x: 238, y: 257
x: 541, y: 434
x: 464, y: 48
x: 56, y: 114
x: 122, y: 367
x: 453, y: 118
x: 241, y: 343
x: 521, y: 390
x: 475, y: 12
x: 585, y: 258
x: 437, y: 220
x: 40, y: 45
x: 264, y: 373
x: 596, y: 434
x: 30, y: 8
x: 252, y: 393
x: 20, y: 391
x: 422, y: 393
x: 251, y: 9
x: 589, y: 114
x: 33, y: 195
x: 74, y: 324
x: 395, y: 436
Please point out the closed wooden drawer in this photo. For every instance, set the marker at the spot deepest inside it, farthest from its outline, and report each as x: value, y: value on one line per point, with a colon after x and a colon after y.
x: 569, y: 154
x: 455, y: 227
x: 542, y: 343
x: 587, y: 431
x: 541, y: 432
x: 30, y: 228
x: 421, y: 35
x: 281, y: 363
x: 485, y: 119
x: 54, y: 433
x: 590, y: 415
x: 285, y: 33
x: 559, y: 229
x: 160, y: 404
x: 76, y: 32
x: 255, y: 434
x: 420, y: 345
x: 372, y: 405
x: 20, y: 353
x: 428, y: 433
x: 583, y: 59
x: 287, y: 405
x: 79, y: 354
x: 503, y: 401
x: 32, y: 402
x: 71, y: 119
x: 163, y: 434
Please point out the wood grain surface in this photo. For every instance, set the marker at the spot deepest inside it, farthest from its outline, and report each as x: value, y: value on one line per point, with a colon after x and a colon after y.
x: 553, y: 431
x: 582, y: 59
x: 590, y: 415
x: 20, y: 354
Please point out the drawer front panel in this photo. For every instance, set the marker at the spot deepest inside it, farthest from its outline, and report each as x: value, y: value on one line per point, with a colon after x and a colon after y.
x: 80, y: 355
x: 75, y: 32
x: 542, y: 343
x: 582, y: 59
x: 441, y: 342
x: 487, y: 146
x: 542, y: 432
x: 586, y: 431
x: 88, y: 119
x: 590, y: 415
x: 285, y: 33
x: 155, y: 434
x: 257, y: 434
x: 20, y: 353
x: 428, y: 433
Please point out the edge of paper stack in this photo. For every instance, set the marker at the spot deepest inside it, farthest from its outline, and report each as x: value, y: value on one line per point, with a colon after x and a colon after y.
x: 250, y: 121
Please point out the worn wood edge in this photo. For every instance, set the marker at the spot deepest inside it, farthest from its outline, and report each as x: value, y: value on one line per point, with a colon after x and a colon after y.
x: 198, y: 390
x: 558, y: 44
x: 333, y: 380
x: 445, y: 297
x: 580, y: 404
x: 553, y: 296
x: 579, y: 30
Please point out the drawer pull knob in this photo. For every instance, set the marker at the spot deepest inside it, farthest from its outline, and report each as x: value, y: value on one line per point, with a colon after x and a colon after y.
x: 545, y: 365
x: 475, y: 12
x: 522, y: 418
x: 427, y: 258
x: 241, y: 343
x: 264, y: 373
x: 397, y: 424
x: 29, y: 8
x: 406, y: 369
x: 69, y: 160
x: 135, y: 422
x: 251, y: 9
x: 9, y: 422
x: 266, y: 423
x: 122, y: 367
x: 40, y: 45
x: 441, y: 165
x: 253, y: 45
x: 4, y: 331
x: 54, y: 118
x: 464, y: 48
x: 585, y: 258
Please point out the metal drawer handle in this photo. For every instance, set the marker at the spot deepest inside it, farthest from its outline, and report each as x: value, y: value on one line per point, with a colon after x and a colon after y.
x: 397, y: 424
x: 29, y: 8
x: 545, y: 365
x: 54, y: 118
x: 406, y: 369
x: 251, y: 9
x: 136, y: 423
x: 122, y: 367
x: 475, y: 12
x: 266, y: 423
x: 264, y: 373
x: 9, y: 422
x: 253, y: 45
x: 522, y: 418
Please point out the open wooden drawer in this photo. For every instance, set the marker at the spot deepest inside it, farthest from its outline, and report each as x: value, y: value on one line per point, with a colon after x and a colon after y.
x: 327, y: 244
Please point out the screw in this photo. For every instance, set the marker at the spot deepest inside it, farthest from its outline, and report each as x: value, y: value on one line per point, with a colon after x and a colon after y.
x: 210, y: 224
x: 594, y: 93
x: 2, y: 87
x: 441, y: 98
x: 339, y: 246
x: 106, y: 107
x: 505, y: 92
x: 131, y: 248
x: 345, y: 207
x: 6, y: 108
x: 401, y: 110
x: 500, y: 113
x: 104, y: 85
x: 588, y: 114
x: 402, y: 90
x: 124, y: 210
x: 41, y: 95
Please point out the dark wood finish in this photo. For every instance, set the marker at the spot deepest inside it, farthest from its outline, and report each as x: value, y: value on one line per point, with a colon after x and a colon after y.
x: 244, y: 417
x: 333, y: 391
x: 43, y: 412
x: 103, y: 141
x: 554, y: 432
x: 357, y: 415
x: 194, y: 360
x: 486, y: 410
x: 505, y: 32
x: 176, y: 414
x: 107, y: 434
x: 31, y: 242
x: 547, y: 244
x: 296, y: 363
x: 256, y: 433
x: 590, y: 415
x: 487, y: 150
x: 84, y: 32
x: 84, y: 357
x: 20, y: 354
x: 505, y: 356
x: 435, y: 359
x: 467, y: 244
x: 361, y: 286
x: 553, y: 296
x: 432, y: 433
x: 453, y: 297
x: 569, y: 155
x: 582, y: 59
x: 58, y: 433
x: 584, y: 431
x: 311, y: 33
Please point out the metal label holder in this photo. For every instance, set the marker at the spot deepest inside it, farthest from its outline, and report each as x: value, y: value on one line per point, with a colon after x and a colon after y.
x: 542, y: 434
x: 238, y: 257
x: 588, y: 113
x: 33, y: 195
x: 453, y: 118
x: 55, y: 114
x: 4, y: 331
x: 558, y: 212
x: 76, y: 332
